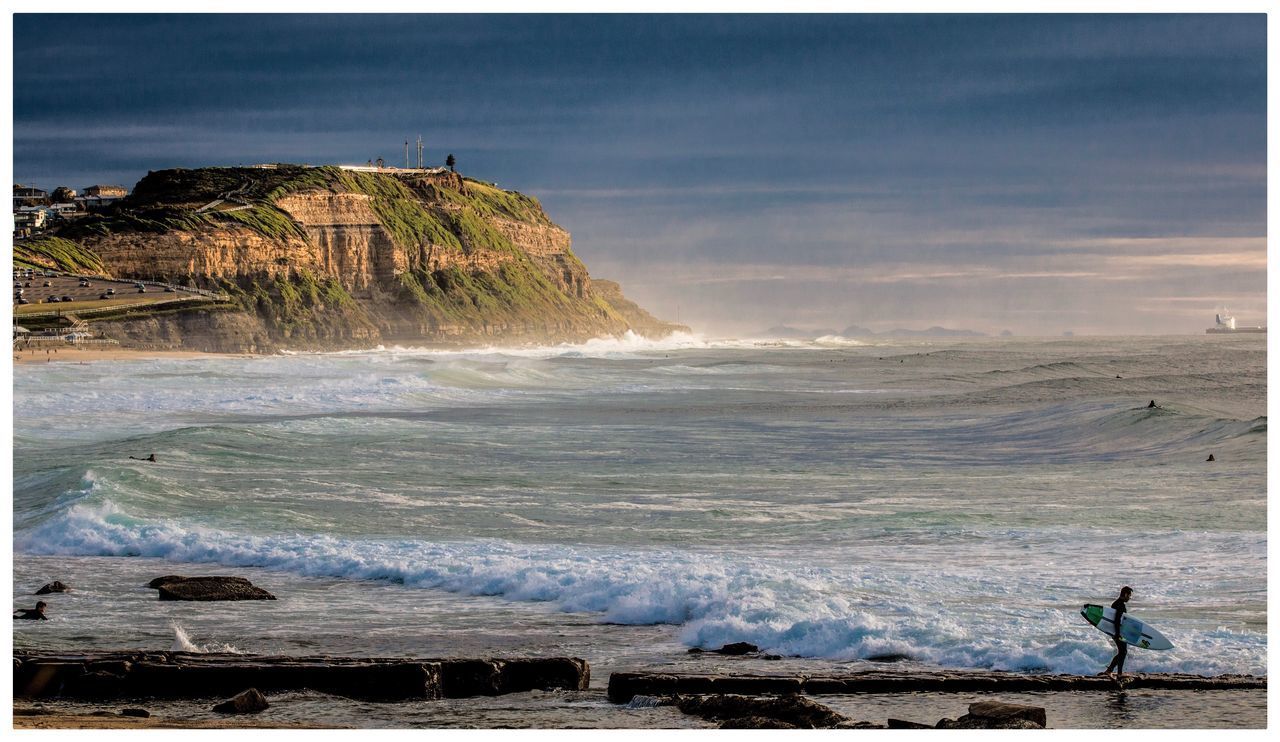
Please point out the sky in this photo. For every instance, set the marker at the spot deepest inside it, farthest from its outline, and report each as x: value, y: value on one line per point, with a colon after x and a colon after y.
x: 1098, y: 174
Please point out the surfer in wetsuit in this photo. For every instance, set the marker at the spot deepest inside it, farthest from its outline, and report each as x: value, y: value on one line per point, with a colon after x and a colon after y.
x: 1122, y: 649
x: 32, y: 614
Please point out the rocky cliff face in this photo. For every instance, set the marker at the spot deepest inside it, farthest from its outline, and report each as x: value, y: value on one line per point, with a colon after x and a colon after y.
x: 326, y: 258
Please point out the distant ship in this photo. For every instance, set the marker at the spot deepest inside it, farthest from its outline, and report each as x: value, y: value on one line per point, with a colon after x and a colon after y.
x: 1224, y: 324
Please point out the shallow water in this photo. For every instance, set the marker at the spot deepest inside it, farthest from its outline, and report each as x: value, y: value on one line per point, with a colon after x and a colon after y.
x: 622, y: 501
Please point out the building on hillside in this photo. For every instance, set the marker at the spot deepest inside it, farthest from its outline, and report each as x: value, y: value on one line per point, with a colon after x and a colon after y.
x: 96, y: 203
x: 29, y: 196
x: 28, y: 220
x: 66, y: 211
x: 106, y: 190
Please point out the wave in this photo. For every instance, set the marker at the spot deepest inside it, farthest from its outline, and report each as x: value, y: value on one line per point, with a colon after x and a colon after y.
x: 182, y: 643
x: 781, y: 606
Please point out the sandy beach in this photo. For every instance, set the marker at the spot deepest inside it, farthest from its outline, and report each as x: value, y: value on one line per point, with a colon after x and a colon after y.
x: 71, y: 354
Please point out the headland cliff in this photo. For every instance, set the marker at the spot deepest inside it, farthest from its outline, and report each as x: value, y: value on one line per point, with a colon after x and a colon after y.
x: 321, y: 258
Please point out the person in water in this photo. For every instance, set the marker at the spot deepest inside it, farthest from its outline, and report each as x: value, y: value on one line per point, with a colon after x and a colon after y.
x: 32, y: 614
x: 151, y: 458
x: 1122, y: 650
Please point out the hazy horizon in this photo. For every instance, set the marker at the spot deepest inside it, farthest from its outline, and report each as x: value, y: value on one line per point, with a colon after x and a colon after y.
x: 1037, y: 174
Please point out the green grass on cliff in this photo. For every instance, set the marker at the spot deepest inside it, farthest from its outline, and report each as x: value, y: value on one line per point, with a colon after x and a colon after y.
x: 58, y: 254
x: 268, y: 221
x: 410, y: 224
x: 297, y: 305
x: 489, y: 200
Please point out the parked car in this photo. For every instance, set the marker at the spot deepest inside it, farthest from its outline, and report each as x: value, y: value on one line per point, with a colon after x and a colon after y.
x: 169, y: 290
x: 111, y: 291
x: 142, y: 291
x: 52, y: 300
x: 27, y: 284
x: 83, y: 283
x: 104, y: 296
x: 23, y: 300
x: 67, y: 298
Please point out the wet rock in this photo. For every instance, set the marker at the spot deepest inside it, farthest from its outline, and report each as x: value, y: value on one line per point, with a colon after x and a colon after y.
x: 796, y: 711
x: 140, y: 713
x: 157, y: 582
x: 902, y: 724
x: 53, y: 587
x: 997, y: 715
x: 886, y: 658
x: 696, y: 650
x: 520, y: 675
x: 210, y: 588
x: 757, y: 722
x: 737, y: 648
x: 245, y: 702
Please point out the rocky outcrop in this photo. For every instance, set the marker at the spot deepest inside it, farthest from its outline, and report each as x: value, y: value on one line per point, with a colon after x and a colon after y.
x: 249, y: 701
x: 208, y: 588
x: 321, y: 258
x: 997, y: 715
x: 623, y: 686
x: 102, y: 675
x: 745, y: 712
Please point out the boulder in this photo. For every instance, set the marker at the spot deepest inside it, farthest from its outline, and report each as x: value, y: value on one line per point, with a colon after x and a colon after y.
x: 157, y: 582
x: 795, y: 711
x: 140, y: 713
x: 902, y: 724
x: 209, y: 588
x: 245, y: 702
x: 737, y: 648
x: 997, y: 715
x: 53, y: 587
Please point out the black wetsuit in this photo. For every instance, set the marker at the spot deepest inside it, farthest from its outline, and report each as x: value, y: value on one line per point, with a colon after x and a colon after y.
x: 33, y: 614
x: 1122, y: 649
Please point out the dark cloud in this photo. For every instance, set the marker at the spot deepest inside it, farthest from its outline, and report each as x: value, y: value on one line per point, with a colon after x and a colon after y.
x: 684, y: 150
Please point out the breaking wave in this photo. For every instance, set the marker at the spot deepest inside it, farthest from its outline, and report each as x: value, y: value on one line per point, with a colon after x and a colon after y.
x: 714, y: 598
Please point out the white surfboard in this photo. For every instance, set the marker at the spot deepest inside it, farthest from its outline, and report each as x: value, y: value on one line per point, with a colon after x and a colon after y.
x: 1132, y: 630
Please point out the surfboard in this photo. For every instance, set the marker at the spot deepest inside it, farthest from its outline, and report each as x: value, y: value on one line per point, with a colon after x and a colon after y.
x: 1132, y: 630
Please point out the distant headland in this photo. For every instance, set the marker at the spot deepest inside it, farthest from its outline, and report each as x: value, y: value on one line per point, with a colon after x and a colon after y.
x: 262, y: 258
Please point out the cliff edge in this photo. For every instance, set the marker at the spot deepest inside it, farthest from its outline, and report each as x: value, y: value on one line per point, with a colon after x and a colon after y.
x: 326, y: 258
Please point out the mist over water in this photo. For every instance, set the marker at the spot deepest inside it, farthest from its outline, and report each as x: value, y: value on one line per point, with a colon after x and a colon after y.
x: 951, y: 501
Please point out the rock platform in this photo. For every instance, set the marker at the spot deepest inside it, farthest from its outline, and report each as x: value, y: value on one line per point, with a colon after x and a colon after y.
x: 623, y: 686
x: 217, y: 675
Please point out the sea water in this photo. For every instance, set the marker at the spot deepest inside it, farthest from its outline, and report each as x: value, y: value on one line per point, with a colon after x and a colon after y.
x: 947, y: 503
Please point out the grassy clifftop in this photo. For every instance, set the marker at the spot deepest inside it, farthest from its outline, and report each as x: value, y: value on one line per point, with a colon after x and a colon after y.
x: 473, y: 260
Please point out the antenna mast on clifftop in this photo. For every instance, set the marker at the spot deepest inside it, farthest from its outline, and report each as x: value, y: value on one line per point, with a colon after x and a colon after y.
x: 419, y: 152
x: 406, y: 153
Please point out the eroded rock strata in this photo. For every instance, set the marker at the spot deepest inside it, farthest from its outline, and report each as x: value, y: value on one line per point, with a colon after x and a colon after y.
x: 325, y: 258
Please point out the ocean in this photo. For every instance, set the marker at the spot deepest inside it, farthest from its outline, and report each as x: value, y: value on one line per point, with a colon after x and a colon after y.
x: 947, y: 503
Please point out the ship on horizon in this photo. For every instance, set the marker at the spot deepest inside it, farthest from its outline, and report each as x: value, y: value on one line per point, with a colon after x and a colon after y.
x: 1224, y: 324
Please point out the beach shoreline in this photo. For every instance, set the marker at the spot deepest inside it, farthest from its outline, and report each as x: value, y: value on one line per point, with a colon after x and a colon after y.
x: 72, y: 354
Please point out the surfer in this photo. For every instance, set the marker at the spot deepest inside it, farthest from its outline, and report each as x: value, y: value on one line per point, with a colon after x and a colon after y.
x: 1120, y: 606
x: 32, y: 614
x: 151, y: 458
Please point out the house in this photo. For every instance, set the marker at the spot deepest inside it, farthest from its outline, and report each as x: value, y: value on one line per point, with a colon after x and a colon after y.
x: 30, y: 217
x: 96, y: 203
x: 106, y: 190
x: 29, y: 196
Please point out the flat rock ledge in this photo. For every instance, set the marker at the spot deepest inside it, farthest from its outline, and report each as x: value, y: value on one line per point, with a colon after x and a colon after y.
x: 208, y: 587
x: 103, y: 675
x: 623, y: 686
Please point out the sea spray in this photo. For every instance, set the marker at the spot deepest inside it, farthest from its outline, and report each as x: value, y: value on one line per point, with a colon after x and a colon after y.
x: 182, y: 643
x: 715, y: 599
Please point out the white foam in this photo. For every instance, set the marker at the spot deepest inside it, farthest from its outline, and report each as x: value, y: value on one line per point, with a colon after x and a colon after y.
x: 783, y: 606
